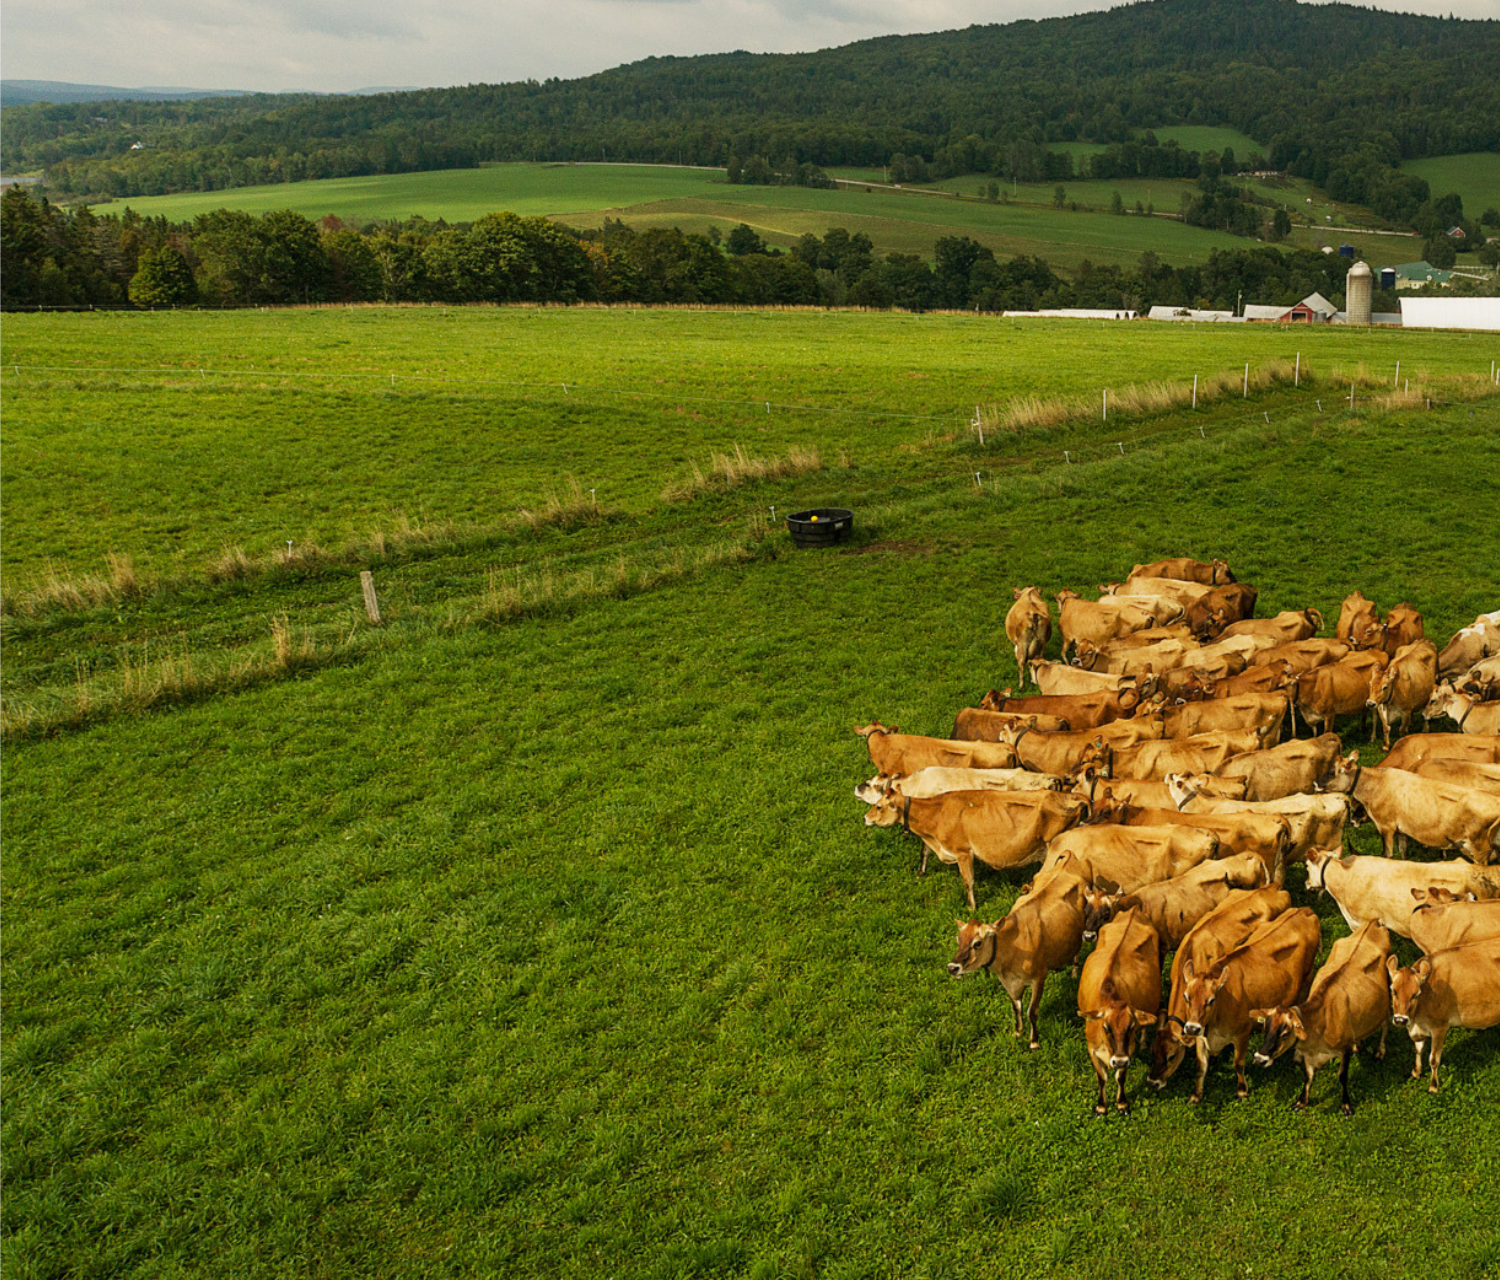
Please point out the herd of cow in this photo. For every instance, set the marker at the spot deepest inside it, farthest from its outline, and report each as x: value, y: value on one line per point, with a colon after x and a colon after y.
x: 1150, y: 781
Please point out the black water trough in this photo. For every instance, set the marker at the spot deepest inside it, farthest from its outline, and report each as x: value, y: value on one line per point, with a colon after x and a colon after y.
x: 820, y: 526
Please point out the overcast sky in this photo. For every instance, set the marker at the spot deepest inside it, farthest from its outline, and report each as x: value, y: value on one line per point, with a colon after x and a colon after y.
x: 354, y: 44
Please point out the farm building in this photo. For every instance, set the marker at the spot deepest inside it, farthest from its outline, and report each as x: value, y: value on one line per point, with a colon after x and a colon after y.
x: 1451, y: 313
x: 1313, y: 309
x: 1072, y: 313
x: 1413, y: 275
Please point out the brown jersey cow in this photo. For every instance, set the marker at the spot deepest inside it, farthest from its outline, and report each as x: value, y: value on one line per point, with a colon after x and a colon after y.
x: 1356, y: 611
x: 1415, y: 748
x: 1350, y: 999
x: 1174, y: 906
x: 1339, y: 689
x: 1028, y: 627
x: 1286, y: 769
x: 1212, y: 573
x: 1269, y: 968
x: 1441, y: 920
x: 1080, y: 619
x: 894, y: 752
x: 1285, y: 627
x: 1404, y: 687
x: 1482, y: 719
x: 1042, y: 932
x: 1455, y: 988
x: 1259, y: 713
x: 998, y: 828
x: 1129, y: 857
x: 975, y: 724
x: 1267, y: 836
x: 1064, y: 752
x: 1200, y: 753
x: 1211, y: 613
x: 1081, y: 710
x: 1301, y: 656
x: 1460, y: 773
x: 1119, y: 993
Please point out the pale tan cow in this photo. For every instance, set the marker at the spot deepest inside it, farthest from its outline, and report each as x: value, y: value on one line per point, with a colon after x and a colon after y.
x: 1267, y: 836
x: 1129, y: 858
x: 1201, y: 753
x: 1301, y: 656
x: 894, y: 752
x: 1081, y: 619
x: 1460, y: 773
x: 1465, y: 710
x: 1287, y: 769
x: 1184, y: 569
x: 1435, y: 814
x: 1286, y: 627
x: 1174, y: 906
x: 937, y: 781
x: 1415, y: 748
x: 1441, y: 920
x: 1065, y: 678
x: 1456, y: 988
x: 1379, y: 889
x: 1028, y: 627
x: 1470, y: 644
x: 1356, y: 611
x: 1260, y: 713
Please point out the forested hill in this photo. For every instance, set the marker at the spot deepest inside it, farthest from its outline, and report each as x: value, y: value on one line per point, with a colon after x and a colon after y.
x: 1324, y: 88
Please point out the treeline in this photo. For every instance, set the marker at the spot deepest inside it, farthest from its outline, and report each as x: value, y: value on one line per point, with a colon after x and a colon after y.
x: 1333, y: 93
x: 51, y: 257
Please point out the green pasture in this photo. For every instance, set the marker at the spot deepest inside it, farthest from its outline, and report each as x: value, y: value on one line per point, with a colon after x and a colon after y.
x: 1209, y: 137
x: 908, y: 221
x: 550, y: 942
x: 457, y: 195
x: 1475, y: 176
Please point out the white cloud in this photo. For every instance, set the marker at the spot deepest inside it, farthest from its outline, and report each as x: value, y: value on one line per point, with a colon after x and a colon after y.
x: 350, y: 44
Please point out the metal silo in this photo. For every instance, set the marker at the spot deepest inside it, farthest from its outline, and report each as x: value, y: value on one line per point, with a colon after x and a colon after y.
x: 1358, y: 285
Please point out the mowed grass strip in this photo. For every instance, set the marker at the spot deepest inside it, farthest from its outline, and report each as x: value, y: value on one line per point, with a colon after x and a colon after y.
x: 557, y: 947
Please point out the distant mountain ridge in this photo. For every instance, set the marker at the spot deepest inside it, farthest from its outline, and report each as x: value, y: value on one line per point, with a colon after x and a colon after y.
x: 1330, y: 91
x: 20, y: 93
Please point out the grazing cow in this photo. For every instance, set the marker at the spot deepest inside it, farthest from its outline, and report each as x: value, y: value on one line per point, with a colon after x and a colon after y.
x: 1174, y: 590
x: 1042, y: 932
x: 1267, y: 836
x: 1212, y: 574
x: 1434, y: 814
x: 1350, y: 999
x: 1174, y: 906
x: 1268, y: 969
x: 894, y: 752
x: 1235, y: 919
x: 1284, y: 628
x: 1455, y: 988
x: 1149, y: 793
x: 1286, y: 769
x: 1028, y: 627
x: 1201, y: 753
x: 1340, y: 689
x: 1404, y: 687
x: 1129, y: 858
x: 1378, y: 889
x: 1209, y: 614
x: 1259, y: 713
x: 998, y: 828
x: 1081, y: 619
x: 1460, y: 773
x: 1356, y: 611
x: 1301, y: 656
x: 1164, y: 608
x: 1131, y: 660
x: 1313, y: 821
x: 1064, y: 678
x: 975, y: 724
x: 1415, y: 748
x: 1479, y: 640
x: 1441, y: 920
x: 1119, y: 993
x: 1468, y: 712
x: 1081, y: 710
x: 937, y: 781
x: 1064, y: 752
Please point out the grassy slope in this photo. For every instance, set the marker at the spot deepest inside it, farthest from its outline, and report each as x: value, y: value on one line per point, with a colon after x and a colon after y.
x: 584, y: 195
x: 1476, y: 177
x: 558, y: 948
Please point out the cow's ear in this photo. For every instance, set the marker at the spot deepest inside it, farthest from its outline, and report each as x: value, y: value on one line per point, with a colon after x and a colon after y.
x: 1423, y: 969
x: 1144, y: 1019
x: 1419, y: 895
x: 1392, y: 967
x: 1188, y: 970
x: 1093, y: 1015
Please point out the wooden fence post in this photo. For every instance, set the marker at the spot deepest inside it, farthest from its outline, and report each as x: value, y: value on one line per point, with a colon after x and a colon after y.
x: 372, y: 605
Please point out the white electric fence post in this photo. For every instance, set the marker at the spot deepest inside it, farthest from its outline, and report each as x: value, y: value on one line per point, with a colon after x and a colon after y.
x: 1247, y: 380
x: 1297, y: 373
x: 1195, y: 391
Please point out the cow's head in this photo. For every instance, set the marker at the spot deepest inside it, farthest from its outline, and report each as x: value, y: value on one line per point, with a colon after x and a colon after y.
x: 976, y: 947
x: 873, y: 791
x: 866, y: 730
x: 1441, y: 703
x: 1066, y: 594
x: 887, y: 811
x: 1085, y: 655
x: 1100, y: 902
x: 1369, y: 634
x: 994, y: 700
x: 1199, y: 991
x: 1245, y: 871
x: 1317, y: 866
x: 1118, y: 1022
x: 1406, y: 987
x: 1183, y: 787
x: 1221, y: 573
x: 1283, y: 1028
x: 1314, y: 619
x: 1342, y: 774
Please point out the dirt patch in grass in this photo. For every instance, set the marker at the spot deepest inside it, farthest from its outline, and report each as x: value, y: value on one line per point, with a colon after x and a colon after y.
x: 892, y: 546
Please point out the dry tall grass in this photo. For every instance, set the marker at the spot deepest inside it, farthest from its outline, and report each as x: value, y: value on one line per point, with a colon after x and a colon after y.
x: 729, y: 471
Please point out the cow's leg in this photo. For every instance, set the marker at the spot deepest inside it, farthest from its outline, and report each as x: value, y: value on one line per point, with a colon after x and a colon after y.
x: 1380, y: 1052
x: 1421, y: 1047
x: 1201, y: 1045
x: 1121, y: 1105
x: 1439, y: 1034
x: 1036, y: 1000
x: 966, y: 869
x: 1307, y: 1072
x: 1242, y: 1084
x: 1101, y: 1076
x: 1345, y: 1104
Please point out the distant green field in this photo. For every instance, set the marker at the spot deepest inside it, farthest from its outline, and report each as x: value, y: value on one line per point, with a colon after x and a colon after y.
x: 645, y: 196
x: 1475, y: 176
x: 1204, y: 137
x: 459, y: 195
